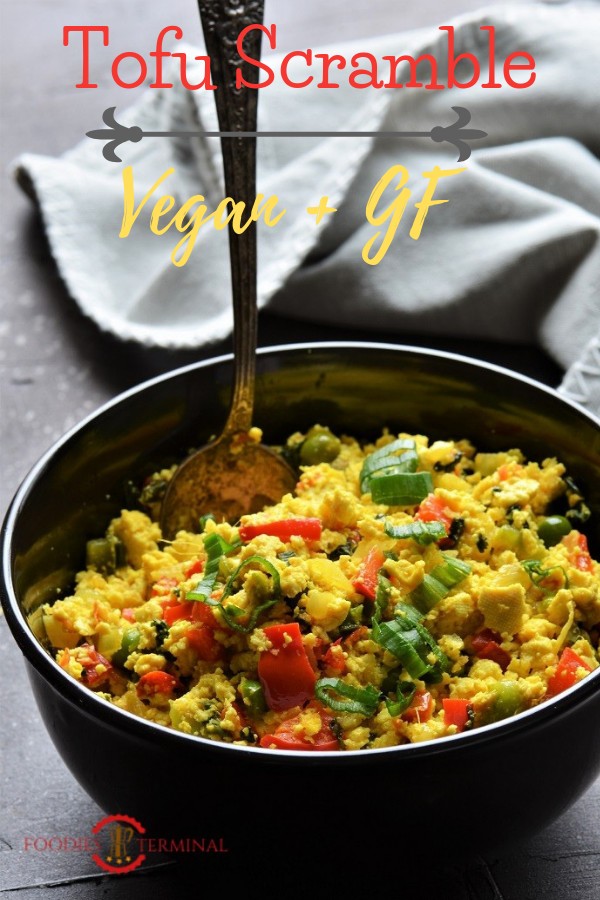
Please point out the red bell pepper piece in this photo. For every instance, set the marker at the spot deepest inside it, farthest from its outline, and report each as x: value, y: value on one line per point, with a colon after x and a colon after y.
x: 486, y: 645
x: 194, y: 569
x: 156, y: 682
x: 286, y: 675
x: 308, y: 528
x: 287, y: 737
x: 90, y: 659
x: 205, y: 614
x: 357, y: 635
x: 194, y: 611
x: 579, y: 555
x: 174, y: 612
x: 566, y: 673
x: 241, y: 714
x: 317, y: 652
x: 202, y: 640
x: 334, y: 659
x: 433, y: 509
x: 365, y: 582
x: 456, y: 712
x: 420, y: 709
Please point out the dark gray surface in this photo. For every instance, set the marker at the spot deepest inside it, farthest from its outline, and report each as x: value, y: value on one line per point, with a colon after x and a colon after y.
x: 56, y: 367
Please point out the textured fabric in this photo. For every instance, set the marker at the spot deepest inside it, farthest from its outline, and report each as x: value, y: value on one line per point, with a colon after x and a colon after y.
x: 513, y: 256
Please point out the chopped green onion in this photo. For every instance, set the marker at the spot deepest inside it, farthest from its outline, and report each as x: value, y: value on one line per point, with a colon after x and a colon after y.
x: 452, y: 572
x: 382, y: 595
x: 439, y: 582
x: 402, y: 644
x: 392, y: 447
x: 406, y: 639
x: 428, y: 593
x: 215, y: 547
x: 360, y: 700
x: 386, y: 459
x: 231, y: 613
x: 410, y: 615
x: 401, y: 489
x: 204, y: 519
x: 421, y: 532
x: 204, y: 588
x: 232, y: 610
x: 537, y: 574
x: 405, y: 691
x: 441, y: 664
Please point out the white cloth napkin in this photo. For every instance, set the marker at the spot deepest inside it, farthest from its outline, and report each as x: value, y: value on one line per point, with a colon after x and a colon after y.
x: 513, y: 256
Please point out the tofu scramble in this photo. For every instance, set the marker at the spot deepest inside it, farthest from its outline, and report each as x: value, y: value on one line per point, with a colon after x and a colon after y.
x: 407, y: 591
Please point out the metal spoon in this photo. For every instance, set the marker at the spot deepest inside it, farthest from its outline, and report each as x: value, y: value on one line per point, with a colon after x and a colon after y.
x: 232, y: 475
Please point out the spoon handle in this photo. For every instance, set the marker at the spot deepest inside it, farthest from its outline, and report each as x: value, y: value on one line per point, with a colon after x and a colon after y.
x: 222, y: 22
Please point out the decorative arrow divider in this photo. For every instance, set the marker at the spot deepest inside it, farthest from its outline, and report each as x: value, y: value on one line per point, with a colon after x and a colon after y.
x: 456, y: 134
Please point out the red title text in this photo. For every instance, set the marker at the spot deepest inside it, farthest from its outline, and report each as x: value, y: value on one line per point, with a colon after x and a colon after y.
x: 301, y: 68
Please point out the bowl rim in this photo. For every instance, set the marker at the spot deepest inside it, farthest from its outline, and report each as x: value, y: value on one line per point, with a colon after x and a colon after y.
x: 103, y: 711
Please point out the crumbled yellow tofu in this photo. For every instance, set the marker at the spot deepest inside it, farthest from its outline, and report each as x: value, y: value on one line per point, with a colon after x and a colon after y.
x: 504, y: 608
x: 488, y: 609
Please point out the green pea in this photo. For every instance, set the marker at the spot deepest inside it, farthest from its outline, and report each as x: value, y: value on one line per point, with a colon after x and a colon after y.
x: 507, y: 537
x: 320, y: 447
x: 553, y: 529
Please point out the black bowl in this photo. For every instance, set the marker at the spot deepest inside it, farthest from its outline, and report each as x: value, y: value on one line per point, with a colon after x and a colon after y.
x: 478, y: 789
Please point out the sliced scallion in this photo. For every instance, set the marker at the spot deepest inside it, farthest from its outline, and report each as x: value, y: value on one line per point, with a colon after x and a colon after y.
x: 231, y: 612
x: 406, y: 613
x: 428, y: 593
x: 392, y: 447
x: 401, y: 489
x: 421, y: 532
x: 441, y: 663
x: 403, y: 644
x: 538, y: 574
x: 203, y: 521
x: 410, y: 642
x: 452, y: 572
x: 358, y: 700
x: 405, y: 691
x: 399, y: 456
x: 382, y: 595
x: 215, y: 547
x: 439, y: 582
